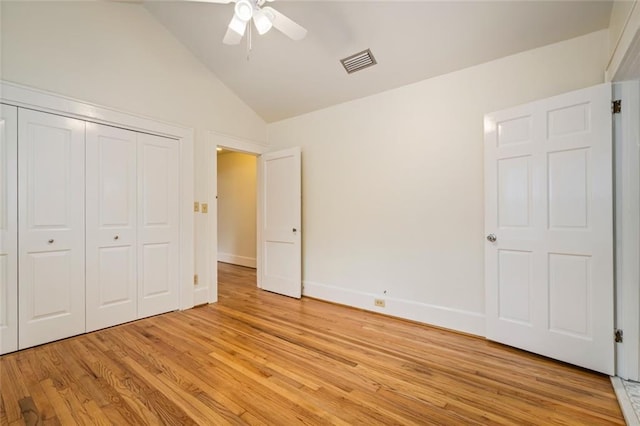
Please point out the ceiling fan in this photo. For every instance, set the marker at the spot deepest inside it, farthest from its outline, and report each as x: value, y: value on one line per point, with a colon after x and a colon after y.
x: 264, y: 18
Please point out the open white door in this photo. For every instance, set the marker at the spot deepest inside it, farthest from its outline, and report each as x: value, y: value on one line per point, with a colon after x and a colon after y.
x: 549, y: 226
x: 279, y: 221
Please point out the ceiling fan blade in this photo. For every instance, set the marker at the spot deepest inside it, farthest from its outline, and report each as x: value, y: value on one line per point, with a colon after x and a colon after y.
x: 285, y: 25
x: 235, y: 31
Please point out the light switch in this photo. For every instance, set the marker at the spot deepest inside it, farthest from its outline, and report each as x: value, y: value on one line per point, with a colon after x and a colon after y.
x: 196, y: 206
x: 205, y: 208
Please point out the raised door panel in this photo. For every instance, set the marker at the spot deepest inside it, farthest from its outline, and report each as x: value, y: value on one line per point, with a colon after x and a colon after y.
x: 568, y: 189
x: 514, y: 286
x: 158, y: 225
x: 51, y: 227
x: 111, y: 226
x: 8, y: 229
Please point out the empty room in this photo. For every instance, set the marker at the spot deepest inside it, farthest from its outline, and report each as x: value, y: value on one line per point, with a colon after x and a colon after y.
x: 349, y: 212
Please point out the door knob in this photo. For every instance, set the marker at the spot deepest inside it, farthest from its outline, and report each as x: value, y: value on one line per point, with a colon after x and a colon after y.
x: 492, y: 238
x: 116, y: 237
x: 295, y: 230
x: 51, y: 241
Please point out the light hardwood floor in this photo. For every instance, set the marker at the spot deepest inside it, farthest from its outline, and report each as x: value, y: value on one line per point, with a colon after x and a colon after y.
x: 259, y: 358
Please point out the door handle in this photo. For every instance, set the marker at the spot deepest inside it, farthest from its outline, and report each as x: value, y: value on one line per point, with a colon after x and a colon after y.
x: 295, y: 230
x: 116, y: 237
x: 50, y: 241
x: 492, y: 238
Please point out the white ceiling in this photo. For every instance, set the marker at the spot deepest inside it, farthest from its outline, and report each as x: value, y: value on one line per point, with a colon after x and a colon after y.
x: 411, y: 41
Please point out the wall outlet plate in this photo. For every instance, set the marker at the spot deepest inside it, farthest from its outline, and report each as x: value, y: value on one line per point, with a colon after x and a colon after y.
x: 379, y: 303
x: 196, y: 206
x: 204, y: 207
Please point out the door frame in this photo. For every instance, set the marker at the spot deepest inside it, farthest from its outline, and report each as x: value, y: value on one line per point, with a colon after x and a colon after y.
x: 626, y: 140
x: 209, y: 293
x: 40, y: 100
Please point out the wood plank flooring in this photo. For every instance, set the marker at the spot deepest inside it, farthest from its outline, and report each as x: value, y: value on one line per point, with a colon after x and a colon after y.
x: 262, y: 359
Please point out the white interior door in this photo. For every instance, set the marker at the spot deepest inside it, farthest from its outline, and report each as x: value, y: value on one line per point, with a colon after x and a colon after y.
x: 158, y: 224
x: 280, y: 236
x: 51, y: 227
x: 111, y: 226
x: 548, y: 202
x: 8, y: 229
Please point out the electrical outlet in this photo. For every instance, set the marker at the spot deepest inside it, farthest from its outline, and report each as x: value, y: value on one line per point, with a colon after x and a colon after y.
x: 204, y: 208
x: 196, y: 206
x: 195, y: 279
x: 379, y: 302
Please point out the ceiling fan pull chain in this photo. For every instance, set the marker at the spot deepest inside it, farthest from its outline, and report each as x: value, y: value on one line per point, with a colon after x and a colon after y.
x: 249, y: 42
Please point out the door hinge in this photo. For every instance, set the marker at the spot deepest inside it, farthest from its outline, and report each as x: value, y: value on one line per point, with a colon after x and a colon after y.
x: 616, y: 106
x: 195, y: 279
x: 618, y: 336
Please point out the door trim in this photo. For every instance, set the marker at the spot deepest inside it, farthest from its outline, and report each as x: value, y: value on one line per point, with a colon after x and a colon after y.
x: 626, y: 139
x: 209, y: 293
x: 40, y: 100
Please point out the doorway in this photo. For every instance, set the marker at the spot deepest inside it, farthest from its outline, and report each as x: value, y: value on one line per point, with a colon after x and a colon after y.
x: 220, y: 143
x: 278, y: 192
x: 237, y: 208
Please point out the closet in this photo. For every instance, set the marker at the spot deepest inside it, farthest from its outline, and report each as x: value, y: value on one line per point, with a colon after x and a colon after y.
x: 98, y: 227
x: 132, y: 225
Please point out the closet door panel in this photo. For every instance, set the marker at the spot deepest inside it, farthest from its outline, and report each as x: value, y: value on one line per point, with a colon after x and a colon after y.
x: 158, y: 225
x: 111, y: 226
x: 8, y: 229
x: 51, y: 227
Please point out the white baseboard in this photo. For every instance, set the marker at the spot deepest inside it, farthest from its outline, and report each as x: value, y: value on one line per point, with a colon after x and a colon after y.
x: 249, y: 262
x: 440, y: 316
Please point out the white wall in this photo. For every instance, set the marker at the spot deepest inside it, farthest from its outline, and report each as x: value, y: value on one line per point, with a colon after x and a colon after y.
x: 115, y: 54
x: 393, y: 183
x: 237, y: 208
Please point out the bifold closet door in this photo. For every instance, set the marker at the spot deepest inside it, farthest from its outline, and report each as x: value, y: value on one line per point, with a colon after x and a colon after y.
x: 8, y: 229
x: 51, y: 227
x: 158, y: 224
x: 111, y: 226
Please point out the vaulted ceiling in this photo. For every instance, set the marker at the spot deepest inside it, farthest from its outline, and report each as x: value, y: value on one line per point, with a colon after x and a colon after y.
x: 411, y: 40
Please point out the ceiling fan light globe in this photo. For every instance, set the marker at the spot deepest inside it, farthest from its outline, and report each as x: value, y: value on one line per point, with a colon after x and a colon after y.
x: 243, y: 10
x: 237, y: 25
x: 262, y: 22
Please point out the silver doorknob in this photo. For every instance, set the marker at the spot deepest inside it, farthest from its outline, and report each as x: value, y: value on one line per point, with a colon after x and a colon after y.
x: 51, y: 241
x: 492, y: 238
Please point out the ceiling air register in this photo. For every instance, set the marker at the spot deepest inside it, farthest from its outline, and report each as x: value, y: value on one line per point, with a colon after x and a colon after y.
x: 358, y: 61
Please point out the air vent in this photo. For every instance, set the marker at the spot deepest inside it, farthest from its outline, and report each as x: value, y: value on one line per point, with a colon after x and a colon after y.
x: 359, y: 61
